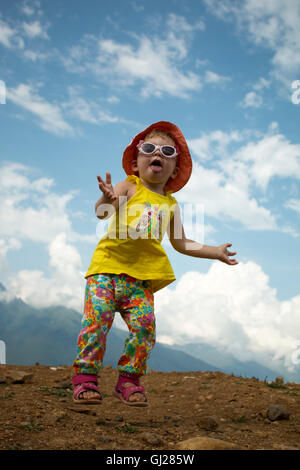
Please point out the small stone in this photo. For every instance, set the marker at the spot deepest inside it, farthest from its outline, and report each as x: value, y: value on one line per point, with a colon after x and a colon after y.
x: 104, y: 421
x: 151, y: 438
x: 64, y: 385
x: 104, y: 439
x: 279, y: 380
x: 277, y: 412
x: 86, y: 411
x: 58, y: 443
x: 284, y: 447
x: 208, y: 423
x: 19, y: 377
x: 206, y: 443
x: 119, y: 419
x: 24, y: 424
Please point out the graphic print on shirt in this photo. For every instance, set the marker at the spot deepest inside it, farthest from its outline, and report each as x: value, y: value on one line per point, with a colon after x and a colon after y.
x: 150, y: 223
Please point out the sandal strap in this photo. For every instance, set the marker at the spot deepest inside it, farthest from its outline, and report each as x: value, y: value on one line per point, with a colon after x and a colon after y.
x: 85, y: 387
x: 124, y: 378
x: 82, y: 378
x: 127, y: 391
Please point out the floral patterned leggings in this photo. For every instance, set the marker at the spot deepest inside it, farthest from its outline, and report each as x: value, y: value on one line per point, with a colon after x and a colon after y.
x: 133, y: 298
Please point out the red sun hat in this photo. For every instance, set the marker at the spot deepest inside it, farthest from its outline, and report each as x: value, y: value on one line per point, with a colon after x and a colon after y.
x: 184, y: 158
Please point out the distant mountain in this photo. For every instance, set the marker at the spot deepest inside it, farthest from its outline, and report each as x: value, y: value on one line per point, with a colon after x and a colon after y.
x: 49, y: 336
x: 163, y: 358
x: 227, y: 362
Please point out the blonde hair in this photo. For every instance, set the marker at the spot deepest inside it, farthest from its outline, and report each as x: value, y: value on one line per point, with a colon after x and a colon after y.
x: 158, y: 132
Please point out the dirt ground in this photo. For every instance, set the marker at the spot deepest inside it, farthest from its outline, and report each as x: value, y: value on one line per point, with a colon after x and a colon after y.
x: 40, y: 414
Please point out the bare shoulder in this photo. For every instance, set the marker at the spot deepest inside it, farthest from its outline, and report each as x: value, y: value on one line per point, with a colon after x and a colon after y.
x: 131, y: 189
x: 121, y: 188
x: 125, y: 188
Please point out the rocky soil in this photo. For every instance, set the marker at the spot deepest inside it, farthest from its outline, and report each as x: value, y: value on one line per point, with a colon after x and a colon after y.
x: 196, y: 410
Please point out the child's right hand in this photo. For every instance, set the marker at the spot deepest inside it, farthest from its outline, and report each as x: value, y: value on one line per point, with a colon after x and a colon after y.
x: 107, y: 188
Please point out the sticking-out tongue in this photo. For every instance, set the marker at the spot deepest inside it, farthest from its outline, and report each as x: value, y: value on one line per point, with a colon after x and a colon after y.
x: 156, y: 166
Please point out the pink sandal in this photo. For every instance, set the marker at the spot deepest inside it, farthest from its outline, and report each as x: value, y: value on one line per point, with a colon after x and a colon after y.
x: 123, y: 393
x: 85, y: 383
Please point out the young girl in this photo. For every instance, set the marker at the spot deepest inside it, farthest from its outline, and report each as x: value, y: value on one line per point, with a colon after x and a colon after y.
x: 129, y: 264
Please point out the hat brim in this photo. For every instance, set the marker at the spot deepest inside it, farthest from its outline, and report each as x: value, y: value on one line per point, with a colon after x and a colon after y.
x: 184, y: 159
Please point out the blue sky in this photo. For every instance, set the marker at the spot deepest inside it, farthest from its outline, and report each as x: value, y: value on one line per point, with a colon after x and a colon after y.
x: 81, y: 81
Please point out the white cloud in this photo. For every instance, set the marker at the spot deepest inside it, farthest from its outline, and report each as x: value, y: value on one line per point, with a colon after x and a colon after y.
x: 214, y: 144
x: 28, y: 10
x: 31, y: 7
x: 272, y: 156
x: 113, y: 99
x: 293, y: 204
x: 269, y: 24
x: 35, y: 30
x: 64, y: 287
x: 252, y: 100
x: 237, y: 165
x: 233, y: 309
x: 13, y: 33
x: 261, y: 84
x: 212, y: 77
x: 227, y: 197
x: 9, y: 244
x: 155, y: 64
x: 30, y: 209
x: 35, y: 55
x: 178, y: 24
x: 9, y: 36
x: 137, y: 7
x: 49, y: 115
x: 87, y: 110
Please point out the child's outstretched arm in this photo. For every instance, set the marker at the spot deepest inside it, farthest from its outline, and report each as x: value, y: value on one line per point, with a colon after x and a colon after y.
x: 109, y: 201
x: 192, y: 248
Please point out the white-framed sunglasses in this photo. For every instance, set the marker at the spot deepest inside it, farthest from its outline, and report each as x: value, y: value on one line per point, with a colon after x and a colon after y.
x: 168, y: 151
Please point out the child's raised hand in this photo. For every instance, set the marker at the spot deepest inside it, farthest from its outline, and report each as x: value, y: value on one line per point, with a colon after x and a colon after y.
x: 107, y: 188
x: 224, y: 254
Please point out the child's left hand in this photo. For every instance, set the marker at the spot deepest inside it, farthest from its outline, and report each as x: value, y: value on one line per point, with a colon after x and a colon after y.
x: 223, y: 254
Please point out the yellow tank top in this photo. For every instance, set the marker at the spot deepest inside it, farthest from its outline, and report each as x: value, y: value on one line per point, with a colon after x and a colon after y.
x: 132, y: 244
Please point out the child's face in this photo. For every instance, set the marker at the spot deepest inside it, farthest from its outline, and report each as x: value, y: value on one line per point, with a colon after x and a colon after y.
x: 155, y: 168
